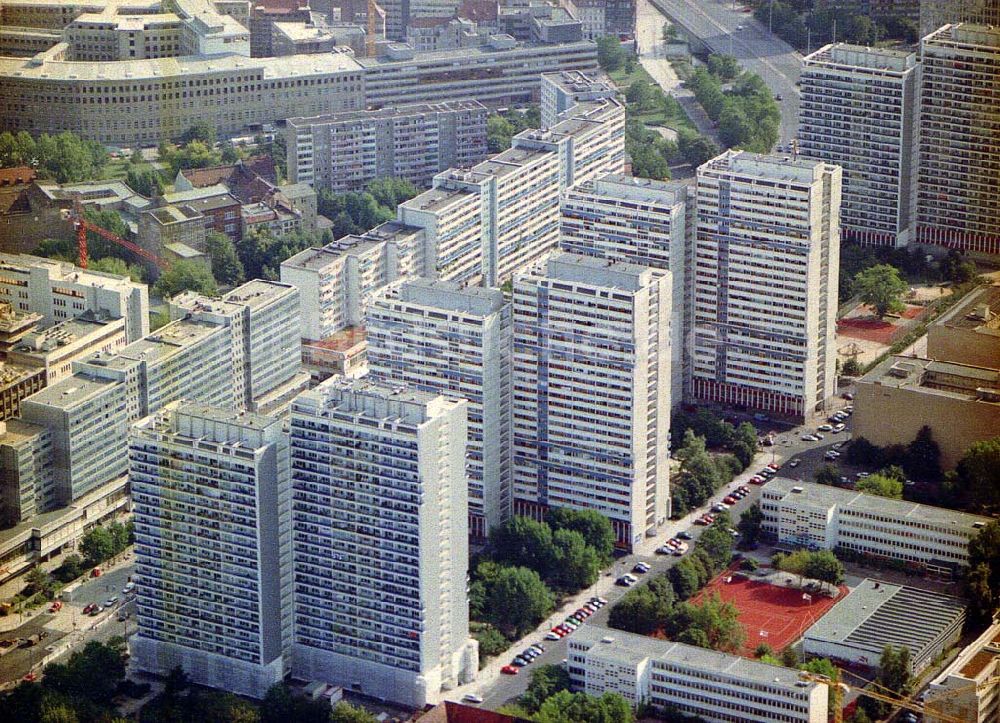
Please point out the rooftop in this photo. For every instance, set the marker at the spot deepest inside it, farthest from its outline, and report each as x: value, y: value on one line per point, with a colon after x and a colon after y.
x: 876, y: 614
x: 344, y: 340
x: 482, y: 51
x: 63, y: 270
x: 979, y: 310
x: 70, y: 392
x: 593, y: 271
x: 448, y: 296
x: 862, y: 57
x: 400, y: 111
x: 366, y: 398
x: 927, y: 376
x: 825, y: 496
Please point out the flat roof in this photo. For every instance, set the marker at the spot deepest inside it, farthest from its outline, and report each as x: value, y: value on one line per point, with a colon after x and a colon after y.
x: 878, y: 613
x: 966, y: 314
x: 344, y: 340
x: 825, y: 496
x: 929, y: 376
x: 70, y: 392
x: 593, y: 271
x: 397, y: 111
x: 480, y: 51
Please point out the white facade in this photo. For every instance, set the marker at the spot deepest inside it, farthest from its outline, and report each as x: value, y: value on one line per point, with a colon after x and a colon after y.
x: 435, y: 336
x: 969, y: 688
x: 766, y: 262
x: 827, y: 517
x: 858, y: 111
x: 640, y: 221
x: 561, y: 92
x: 380, y: 549
x: 211, y: 494
x: 958, y: 193
x: 59, y: 291
x: 696, y: 681
x: 591, y: 342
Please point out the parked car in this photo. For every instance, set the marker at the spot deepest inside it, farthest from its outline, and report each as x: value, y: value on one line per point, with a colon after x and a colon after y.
x: 685, y: 535
x: 552, y: 635
x: 509, y: 670
x: 96, y: 572
x: 664, y: 550
x: 626, y: 581
x: 129, y: 587
x: 56, y: 606
x: 600, y: 601
x: 839, y: 428
x: 519, y: 662
x: 472, y: 698
x: 795, y: 463
x: 641, y: 568
x: 848, y: 396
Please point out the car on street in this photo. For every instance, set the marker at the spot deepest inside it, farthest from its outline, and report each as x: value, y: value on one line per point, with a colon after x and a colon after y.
x: 808, y: 438
x: 509, y: 670
x: 110, y: 601
x: 87, y: 609
x: 129, y: 587
x: 720, y: 507
x: 824, y: 428
x: 599, y: 600
x: 839, y: 428
x: 552, y: 635
x: 795, y: 463
x: 862, y: 475
x: 626, y: 580
x: 778, y: 96
x: 472, y: 698
x: 664, y: 550
x: 739, y: 27
x: 519, y: 662
x: 56, y: 606
x: 685, y: 535
x: 729, y: 500
x: 96, y: 610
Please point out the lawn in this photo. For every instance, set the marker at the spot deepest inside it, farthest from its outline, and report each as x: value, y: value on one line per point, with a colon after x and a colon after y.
x: 670, y: 114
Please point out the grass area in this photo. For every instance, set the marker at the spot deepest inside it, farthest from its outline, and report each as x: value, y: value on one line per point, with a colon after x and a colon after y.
x: 117, y: 168
x: 669, y: 115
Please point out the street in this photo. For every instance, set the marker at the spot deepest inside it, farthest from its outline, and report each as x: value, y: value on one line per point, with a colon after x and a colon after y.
x: 497, y: 689
x: 716, y: 24
x: 69, y: 628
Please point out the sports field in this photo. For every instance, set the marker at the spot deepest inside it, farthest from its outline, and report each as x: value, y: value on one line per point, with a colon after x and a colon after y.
x: 769, y: 613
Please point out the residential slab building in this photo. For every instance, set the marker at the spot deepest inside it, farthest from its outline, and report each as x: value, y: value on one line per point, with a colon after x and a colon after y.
x: 709, y: 684
x: 960, y: 404
x: 968, y: 688
x: 641, y: 221
x: 346, y: 151
x: 859, y: 111
x: 561, y: 92
x: 211, y: 493
x: 830, y: 518
x: 17, y: 383
x: 59, y: 291
x: 958, y: 184
x: 766, y: 261
x: 937, y: 13
x: 379, y: 541
x: 438, y: 337
x: 591, y: 342
x: 875, y: 614
x: 969, y: 332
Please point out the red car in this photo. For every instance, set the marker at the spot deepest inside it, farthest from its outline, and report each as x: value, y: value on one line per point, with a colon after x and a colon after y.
x: 757, y: 480
x: 509, y: 670
x: 729, y: 500
x: 89, y: 608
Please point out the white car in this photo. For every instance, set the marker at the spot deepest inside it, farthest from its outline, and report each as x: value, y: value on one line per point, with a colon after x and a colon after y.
x: 839, y: 428
x: 472, y: 698
x: 795, y: 463
x: 824, y: 428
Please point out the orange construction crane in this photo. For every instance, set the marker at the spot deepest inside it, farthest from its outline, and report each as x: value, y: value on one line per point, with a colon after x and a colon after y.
x: 82, y: 226
x: 374, y: 12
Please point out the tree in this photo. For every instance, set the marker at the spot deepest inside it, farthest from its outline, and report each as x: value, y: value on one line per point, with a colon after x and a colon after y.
x: 851, y: 368
x: 92, y: 673
x: 491, y: 641
x: 390, y: 192
x: 226, y: 265
x: 716, y: 619
x: 114, y: 265
x: 639, y: 611
x: 882, y: 288
x: 744, y: 444
x: 610, y: 54
x: 881, y: 485
x: 347, y: 713
x: 684, y: 577
x: 696, y: 149
x: 640, y: 94
x: 576, y: 565
x: 566, y: 707
x: 750, y: 524
x: 828, y: 474
x: 717, y: 543
x: 184, y: 275
x: 789, y: 658
x: 979, y: 473
x: 144, y: 181
x: 595, y: 528
x: 278, y: 705
x: 819, y: 666
x: 518, y: 600
x: 763, y: 650
x: 523, y: 541
x: 894, y: 669
x: 724, y: 67
x: 97, y: 545
x: 982, y: 583
x: 201, y: 131
x: 824, y: 566
x: 546, y: 681
x: 71, y: 568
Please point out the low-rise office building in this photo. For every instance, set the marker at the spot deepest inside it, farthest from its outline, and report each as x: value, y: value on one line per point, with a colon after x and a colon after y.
x: 711, y: 685
x: 346, y: 151
x: 820, y: 516
x: 958, y: 402
x: 969, y: 332
x: 59, y: 291
x: 211, y: 491
x: 969, y: 688
x: 875, y: 614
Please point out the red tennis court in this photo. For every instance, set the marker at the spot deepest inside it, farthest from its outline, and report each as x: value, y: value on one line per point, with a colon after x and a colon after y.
x: 768, y: 613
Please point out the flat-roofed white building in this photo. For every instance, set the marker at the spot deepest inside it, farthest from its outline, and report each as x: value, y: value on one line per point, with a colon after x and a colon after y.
x: 859, y: 111
x: 591, y: 342
x: 812, y: 515
x: 875, y: 614
x: 438, y: 337
x: 380, y: 540
x: 639, y: 220
x: 765, y: 265
x: 59, y: 291
x: 211, y: 494
x: 696, y: 681
x: 969, y: 688
x: 56, y: 348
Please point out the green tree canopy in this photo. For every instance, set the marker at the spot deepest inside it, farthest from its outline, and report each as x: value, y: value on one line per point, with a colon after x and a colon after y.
x: 882, y: 288
x: 518, y: 600
x: 97, y: 545
x: 881, y: 485
x: 979, y: 473
x: 566, y: 707
x: 610, y: 53
x: 227, y: 269
x: 828, y: 474
x: 546, y: 681
x: 184, y: 275
x: 523, y: 541
x: 750, y: 524
x: 576, y: 565
x: 595, y: 528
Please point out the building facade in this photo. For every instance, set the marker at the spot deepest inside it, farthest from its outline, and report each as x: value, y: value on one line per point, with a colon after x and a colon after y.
x: 859, y: 111
x: 211, y: 493
x: 968, y: 688
x: 346, y: 151
x: 831, y: 518
x: 25, y: 470
x: 59, y: 291
x: 379, y: 541
x: 969, y: 332
x: 766, y: 262
x: 958, y: 402
x: 591, y: 341
x: 437, y: 337
x: 711, y: 685
x: 641, y: 221
x: 958, y: 185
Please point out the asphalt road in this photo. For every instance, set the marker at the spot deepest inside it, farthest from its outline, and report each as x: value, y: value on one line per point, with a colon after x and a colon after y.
x: 715, y: 22
x: 70, y: 621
